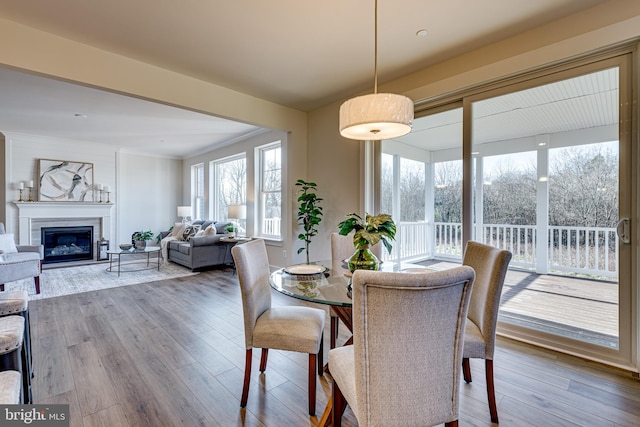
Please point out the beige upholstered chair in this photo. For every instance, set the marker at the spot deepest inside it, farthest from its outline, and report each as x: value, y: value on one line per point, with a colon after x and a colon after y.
x: 490, y: 265
x: 404, y: 366
x: 290, y: 328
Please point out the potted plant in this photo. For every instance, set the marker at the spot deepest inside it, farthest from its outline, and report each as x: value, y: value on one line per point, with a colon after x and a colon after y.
x: 140, y: 238
x: 309, y: 213
x: 231, y: 230
x: 368, y: 232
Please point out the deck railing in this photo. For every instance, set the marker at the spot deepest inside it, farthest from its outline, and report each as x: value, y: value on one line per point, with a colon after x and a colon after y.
x: 584, y: 250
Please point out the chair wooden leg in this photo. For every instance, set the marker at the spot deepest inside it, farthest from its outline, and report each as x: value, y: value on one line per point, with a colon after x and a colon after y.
x: 37, y: 282
x: 339, y: 404
x: 334, y: 331
x: 263, y: 359
x: 466, y: 370
x: 247, y: 378
x: 451, y: 424
x: 321, y: 357
x: 312, y: 384
x: 491, y: 394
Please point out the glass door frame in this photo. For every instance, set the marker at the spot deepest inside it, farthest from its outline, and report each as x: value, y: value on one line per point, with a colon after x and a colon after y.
x: 626, y: 355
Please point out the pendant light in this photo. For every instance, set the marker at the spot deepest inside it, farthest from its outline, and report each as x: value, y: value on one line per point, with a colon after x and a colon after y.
x: 378, y: 115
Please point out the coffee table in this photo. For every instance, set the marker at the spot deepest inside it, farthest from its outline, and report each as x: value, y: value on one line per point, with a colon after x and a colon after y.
x: 119, y: 253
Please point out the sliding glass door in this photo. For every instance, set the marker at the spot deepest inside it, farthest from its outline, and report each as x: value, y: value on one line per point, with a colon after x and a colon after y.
x: 541, y: 166
x: 550, y: 177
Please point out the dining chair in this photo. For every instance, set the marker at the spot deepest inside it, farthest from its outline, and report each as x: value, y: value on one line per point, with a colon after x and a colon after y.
x: 291, y: 328
x: 490, y: 265
x: 404, y: 366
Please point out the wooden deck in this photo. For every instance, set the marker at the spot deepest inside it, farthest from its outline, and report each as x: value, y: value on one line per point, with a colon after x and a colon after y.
x: 577, y: 308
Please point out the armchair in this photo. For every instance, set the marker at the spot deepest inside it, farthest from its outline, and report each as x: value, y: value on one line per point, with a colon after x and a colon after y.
x: 24, y: 263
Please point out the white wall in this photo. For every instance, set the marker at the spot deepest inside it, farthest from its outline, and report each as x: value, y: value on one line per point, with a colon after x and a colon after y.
x: 149, y: 191
x: 23, y: 151
x: 145, y: 190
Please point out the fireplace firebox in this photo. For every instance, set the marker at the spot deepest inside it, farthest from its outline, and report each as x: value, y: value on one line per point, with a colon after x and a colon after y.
x: 64, y: 244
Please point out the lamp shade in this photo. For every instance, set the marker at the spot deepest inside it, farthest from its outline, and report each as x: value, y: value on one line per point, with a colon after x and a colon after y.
x: 237, y: 211
x: 184, y: 211
x: 376, y: 116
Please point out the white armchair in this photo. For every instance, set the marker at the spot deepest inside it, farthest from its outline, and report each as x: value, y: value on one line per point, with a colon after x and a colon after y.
x: 22, y: 263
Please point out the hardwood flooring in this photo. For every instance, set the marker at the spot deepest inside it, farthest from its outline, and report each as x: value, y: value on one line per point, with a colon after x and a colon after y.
x: 171, y: 353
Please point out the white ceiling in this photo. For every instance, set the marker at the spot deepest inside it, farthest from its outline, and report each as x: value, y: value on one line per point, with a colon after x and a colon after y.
x: 302, y: 54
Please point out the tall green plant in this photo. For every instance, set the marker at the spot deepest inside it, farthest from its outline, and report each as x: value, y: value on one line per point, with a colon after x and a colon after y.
x: 309, y: 213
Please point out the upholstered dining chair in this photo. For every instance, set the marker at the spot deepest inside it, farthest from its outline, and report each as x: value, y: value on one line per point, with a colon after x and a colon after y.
x: 291, y: 328
x: 403, y: 368
x: 490, y: 265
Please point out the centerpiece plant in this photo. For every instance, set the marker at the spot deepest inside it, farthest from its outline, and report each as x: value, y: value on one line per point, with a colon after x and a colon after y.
x: 367, y: 233
x: 309, y: 213
x: 140, y: 238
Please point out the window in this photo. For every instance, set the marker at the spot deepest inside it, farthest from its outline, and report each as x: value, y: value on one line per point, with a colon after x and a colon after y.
x: 270, y: 197
x: 229, y: 186
x: 197, y: 190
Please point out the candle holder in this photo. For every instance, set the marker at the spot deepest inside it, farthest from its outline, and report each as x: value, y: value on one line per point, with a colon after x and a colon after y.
x: 30, y: 195
x: 20, y: 199
x: 100, y: 192
x: 108, y: 200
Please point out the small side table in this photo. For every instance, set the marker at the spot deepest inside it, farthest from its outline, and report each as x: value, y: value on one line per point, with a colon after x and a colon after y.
x: 231, y: 242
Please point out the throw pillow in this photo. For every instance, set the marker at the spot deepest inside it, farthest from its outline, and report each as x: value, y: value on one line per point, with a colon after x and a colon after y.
x: 190, y: 231
x: 210, y: 230
x: 7, y: 243
x: 178, y: 228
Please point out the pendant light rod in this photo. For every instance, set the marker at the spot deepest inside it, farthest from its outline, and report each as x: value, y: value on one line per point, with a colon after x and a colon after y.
x: 375, y: 48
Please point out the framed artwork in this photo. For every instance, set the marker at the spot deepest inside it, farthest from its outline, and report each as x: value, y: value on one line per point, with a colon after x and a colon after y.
x: 65, y: 181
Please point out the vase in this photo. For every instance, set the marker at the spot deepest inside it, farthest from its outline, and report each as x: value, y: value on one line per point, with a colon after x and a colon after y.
x: 363, y: 259
x: 140, y: 244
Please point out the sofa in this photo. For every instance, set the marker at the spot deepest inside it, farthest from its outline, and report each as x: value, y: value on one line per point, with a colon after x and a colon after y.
x: 198, y: 251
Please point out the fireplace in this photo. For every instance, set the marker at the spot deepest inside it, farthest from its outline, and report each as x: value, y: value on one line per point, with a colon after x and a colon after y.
x: 64, y: 244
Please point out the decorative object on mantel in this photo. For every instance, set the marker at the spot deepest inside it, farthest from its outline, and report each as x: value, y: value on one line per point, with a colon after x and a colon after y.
x: 368, y: 233
x: 30, y: 187
x: 63, y: 180
x: 20, y: 188
x: 140, y: 238
x: 107, y: 190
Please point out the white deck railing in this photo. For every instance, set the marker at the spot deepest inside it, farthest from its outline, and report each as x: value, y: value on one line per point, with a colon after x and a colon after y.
x: 584, y: 250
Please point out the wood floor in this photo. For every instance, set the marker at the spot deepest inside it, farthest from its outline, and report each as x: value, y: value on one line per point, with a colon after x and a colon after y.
x: 171, y: 353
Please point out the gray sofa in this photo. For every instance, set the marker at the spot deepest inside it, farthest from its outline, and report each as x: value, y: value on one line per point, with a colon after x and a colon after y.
x: 201, y: 251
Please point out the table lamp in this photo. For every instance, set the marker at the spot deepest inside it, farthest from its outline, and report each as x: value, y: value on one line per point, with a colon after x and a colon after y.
x: 184, y: 212
x: 236, y: 212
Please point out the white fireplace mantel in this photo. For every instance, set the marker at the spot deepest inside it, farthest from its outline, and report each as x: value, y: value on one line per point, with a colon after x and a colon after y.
x: 30, y: 211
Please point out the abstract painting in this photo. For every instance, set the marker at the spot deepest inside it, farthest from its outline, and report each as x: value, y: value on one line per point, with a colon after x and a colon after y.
x: 65, y: 181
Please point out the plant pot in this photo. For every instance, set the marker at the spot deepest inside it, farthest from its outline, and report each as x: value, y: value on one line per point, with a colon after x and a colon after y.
x: 363, y: 259
x: 140, y: 244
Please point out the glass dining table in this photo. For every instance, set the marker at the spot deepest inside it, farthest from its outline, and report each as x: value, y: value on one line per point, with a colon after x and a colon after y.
x: 317, y: 283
